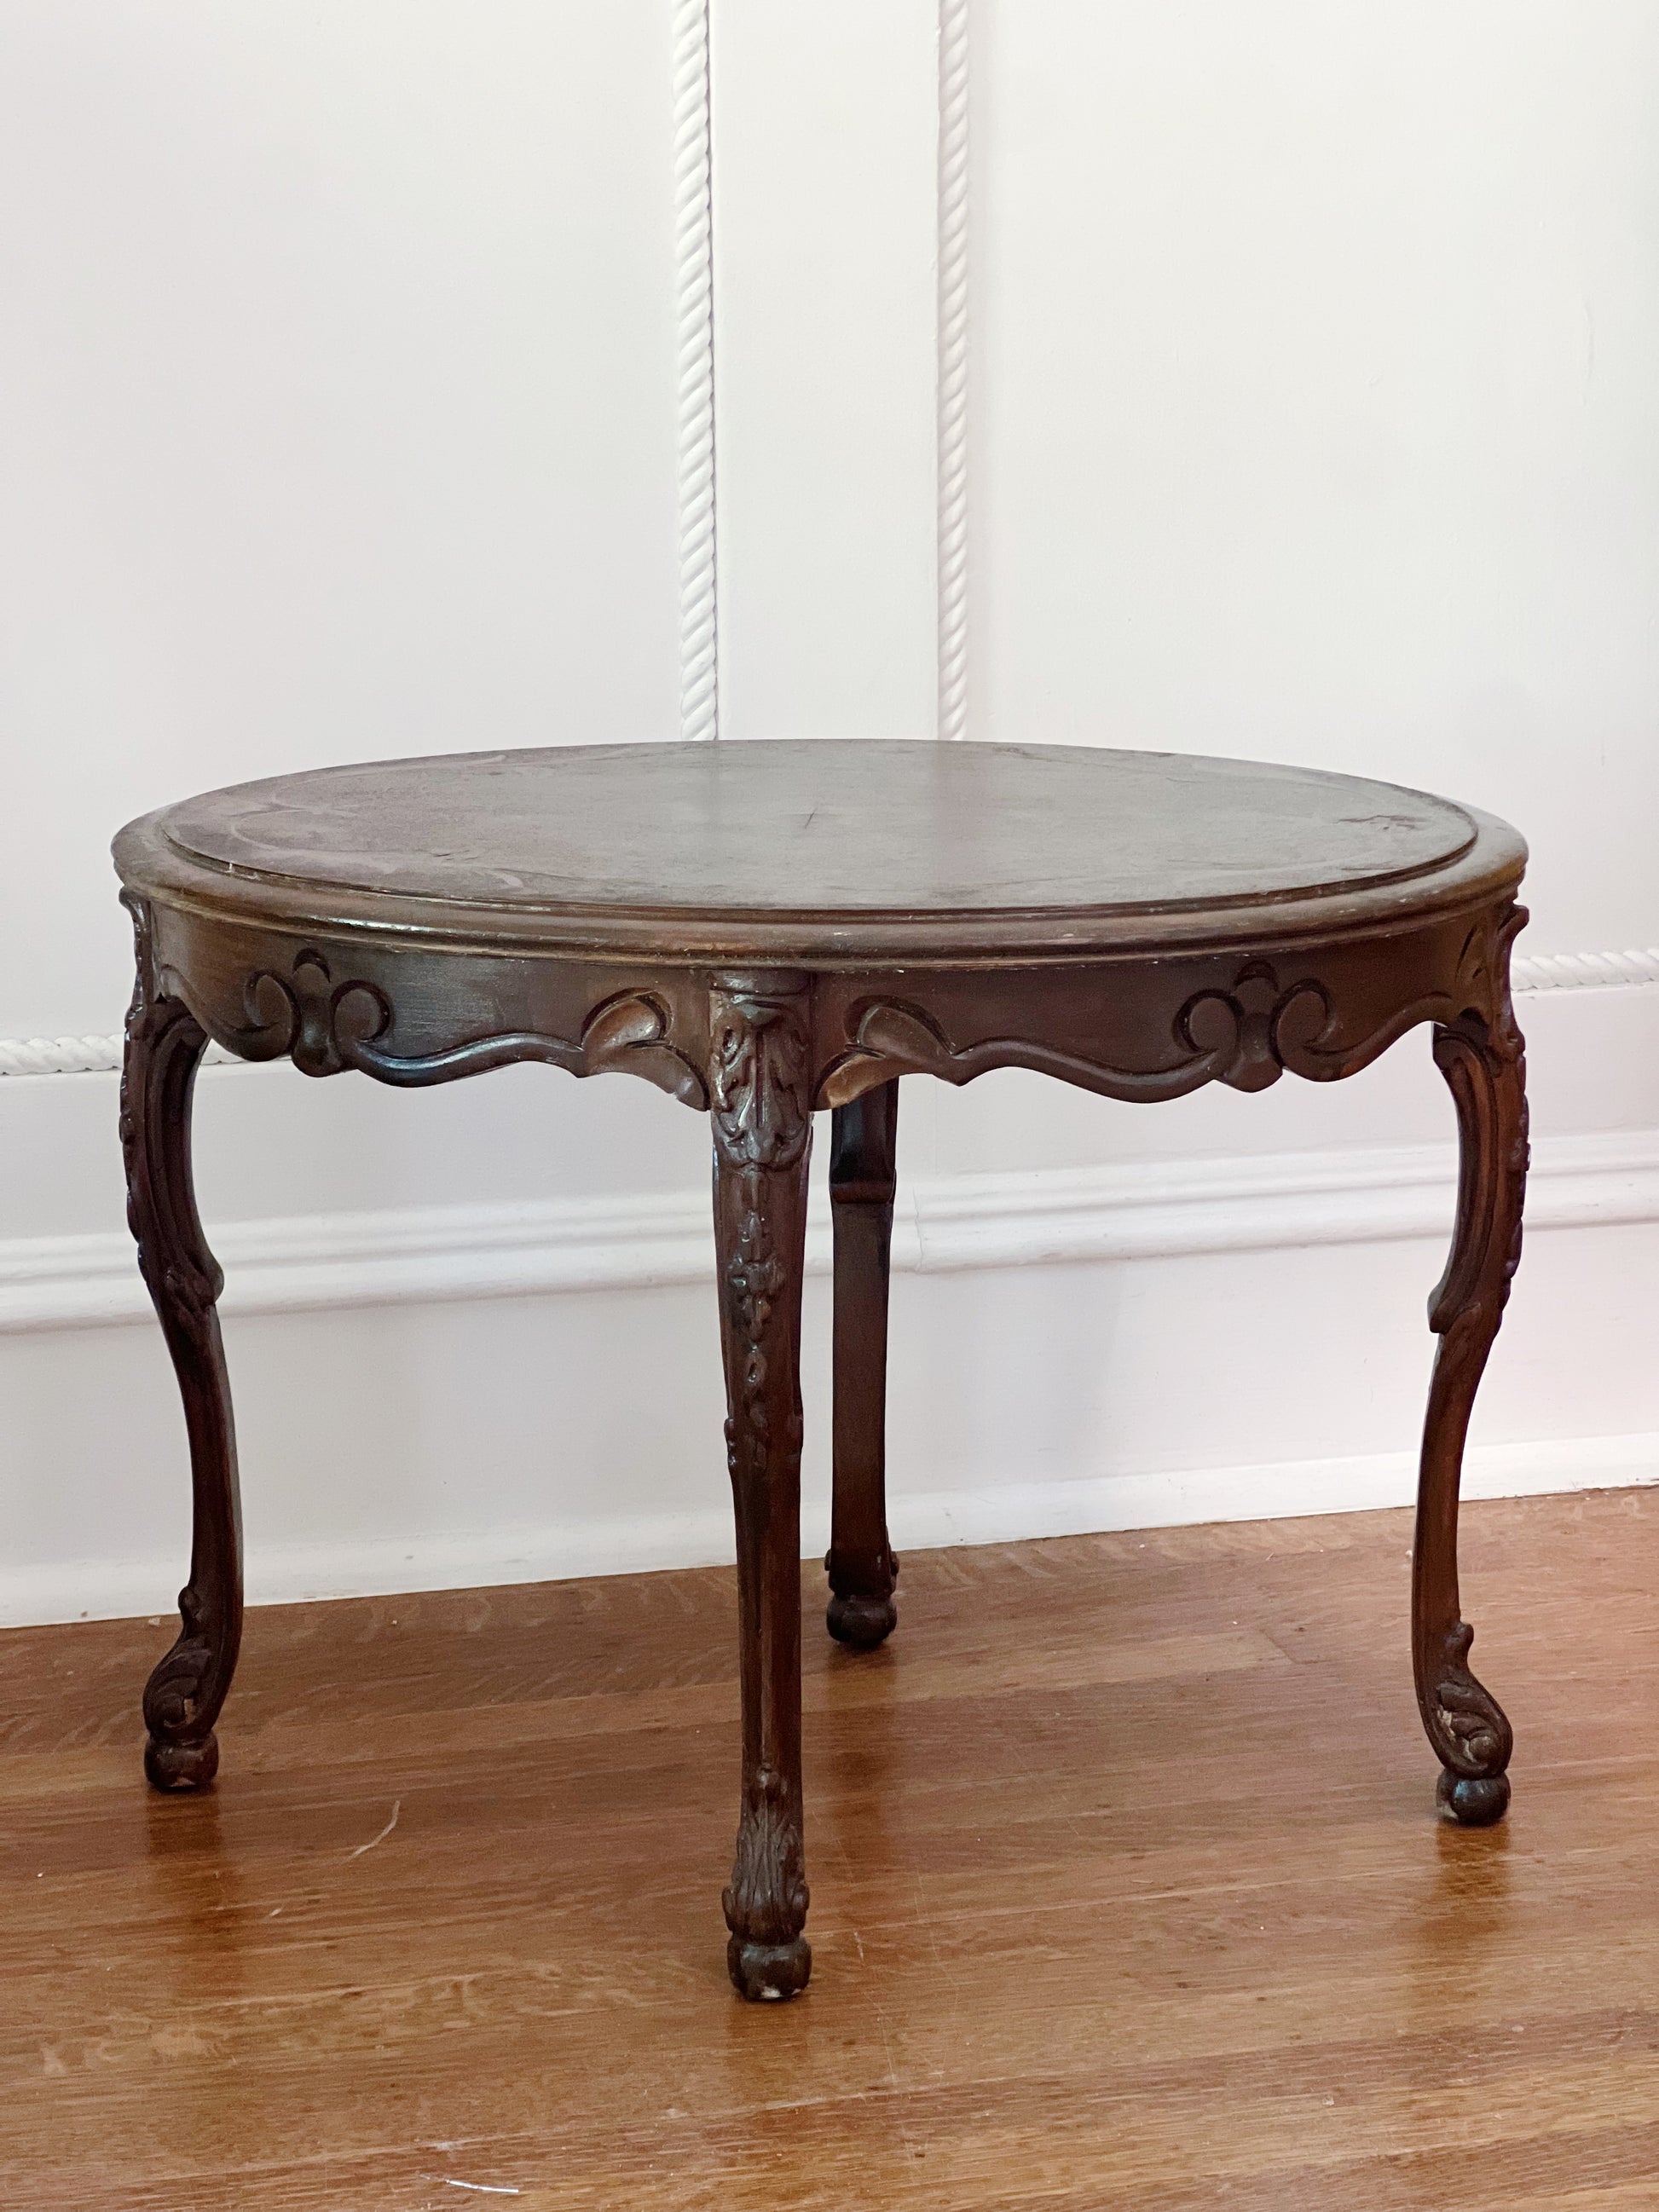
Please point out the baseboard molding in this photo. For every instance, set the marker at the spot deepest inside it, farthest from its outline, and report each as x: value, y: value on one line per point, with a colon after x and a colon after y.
x: 1146, y: 1210
x: 113, y: 1590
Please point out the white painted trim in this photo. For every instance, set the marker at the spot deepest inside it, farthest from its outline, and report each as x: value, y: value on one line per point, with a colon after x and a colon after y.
x: 951, y: 393
x: 1286, y: 1490
x: 694, y: 286
x: 77, y: 1056
x: 1144, y: 1211
x: 1584, y: 971
x: 102, y: 1590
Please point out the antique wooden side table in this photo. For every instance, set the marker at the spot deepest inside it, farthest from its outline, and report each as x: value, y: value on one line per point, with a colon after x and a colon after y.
x: 764, y: 929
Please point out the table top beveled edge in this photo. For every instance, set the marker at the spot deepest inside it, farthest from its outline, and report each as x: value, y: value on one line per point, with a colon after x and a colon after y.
x: 149, y: 864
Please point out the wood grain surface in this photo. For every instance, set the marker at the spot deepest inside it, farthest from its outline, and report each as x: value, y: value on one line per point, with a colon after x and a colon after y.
x: 1127, y: 1893
x: 889, y: 825
x: 808, y: 850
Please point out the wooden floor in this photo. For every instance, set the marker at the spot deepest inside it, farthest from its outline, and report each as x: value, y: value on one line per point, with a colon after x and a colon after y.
x: 1127, y: 1892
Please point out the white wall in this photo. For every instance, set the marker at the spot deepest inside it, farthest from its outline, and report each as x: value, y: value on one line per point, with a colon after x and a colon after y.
x: 1317, y: 345
x: 1314, y: 354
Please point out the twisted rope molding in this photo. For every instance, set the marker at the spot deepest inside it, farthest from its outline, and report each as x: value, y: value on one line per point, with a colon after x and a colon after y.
x: 693, y: 236
x: 76, y: 1055
x: 694, y: 251
x: 952, y: 395
x: 1537, y: 972
x: 1580, y: 971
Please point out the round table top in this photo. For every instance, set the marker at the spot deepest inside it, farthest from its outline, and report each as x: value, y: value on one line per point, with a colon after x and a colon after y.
x: 821, y: 849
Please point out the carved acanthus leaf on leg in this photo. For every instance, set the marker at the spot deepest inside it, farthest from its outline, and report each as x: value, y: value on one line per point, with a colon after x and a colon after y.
x: 761, y: 1120
x: 767, y: 1898
x: 759, y: 1046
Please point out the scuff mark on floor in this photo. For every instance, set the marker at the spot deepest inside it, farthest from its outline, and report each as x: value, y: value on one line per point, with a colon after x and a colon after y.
x: 484, y: 2188
x: 397, y: 1807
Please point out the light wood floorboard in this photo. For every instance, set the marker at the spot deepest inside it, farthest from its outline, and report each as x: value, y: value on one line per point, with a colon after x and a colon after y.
x: 1127, y: 1892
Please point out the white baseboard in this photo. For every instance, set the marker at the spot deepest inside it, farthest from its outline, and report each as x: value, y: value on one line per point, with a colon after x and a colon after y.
x: 1174, y: 1211
x: 102, y: 1590
x: 1145, y: 1210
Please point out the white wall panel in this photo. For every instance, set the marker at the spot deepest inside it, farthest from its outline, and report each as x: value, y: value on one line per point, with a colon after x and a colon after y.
x: 1317, y: 349
x: 824, y: 223
x: 337, y: 374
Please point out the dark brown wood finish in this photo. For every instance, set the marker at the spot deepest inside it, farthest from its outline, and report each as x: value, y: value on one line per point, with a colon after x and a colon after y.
x: 763, y: 1115
x: 766, y: 930
x: 164, y: 1048
x: 1483, y: 1060
x: 863, y: 1182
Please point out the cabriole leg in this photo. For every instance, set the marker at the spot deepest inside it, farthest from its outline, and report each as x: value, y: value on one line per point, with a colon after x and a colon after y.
x: 861, y: 1566
x: 164, y: 1047
x: 1484, y: 1063
x: 762, y: 1140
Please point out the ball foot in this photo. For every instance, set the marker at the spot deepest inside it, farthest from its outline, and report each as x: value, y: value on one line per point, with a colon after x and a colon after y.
x: 862, y: 1622
x: 170, y: 1766
x: 1473, y: 1801
x: 765, y: 1973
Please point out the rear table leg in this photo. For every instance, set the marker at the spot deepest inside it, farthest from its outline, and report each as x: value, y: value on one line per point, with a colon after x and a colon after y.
x: 860, y: 1563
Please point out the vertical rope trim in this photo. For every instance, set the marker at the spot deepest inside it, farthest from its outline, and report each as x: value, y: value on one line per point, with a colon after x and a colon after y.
x: 952, y: 463
x: 694, y: 250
